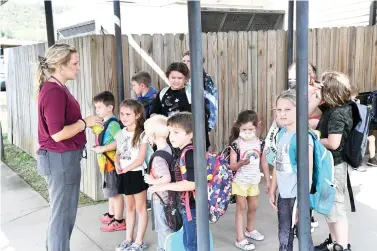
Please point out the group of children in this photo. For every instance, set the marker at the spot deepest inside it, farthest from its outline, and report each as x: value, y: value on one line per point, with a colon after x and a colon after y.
x: 122, y: 158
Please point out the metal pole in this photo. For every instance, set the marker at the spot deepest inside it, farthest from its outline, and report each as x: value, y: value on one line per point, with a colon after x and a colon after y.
x: 49, y: 23
x: 372, y: 13
x: 291, y: 12
x: 302, y: 124
x: 200, y: 163
x: 118, y: 53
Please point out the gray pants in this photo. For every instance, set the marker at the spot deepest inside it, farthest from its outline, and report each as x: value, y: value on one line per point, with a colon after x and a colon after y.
x: 161, y: 227
x: 63, y: 175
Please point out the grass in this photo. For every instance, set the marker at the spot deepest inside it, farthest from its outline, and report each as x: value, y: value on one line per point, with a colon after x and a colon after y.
x: 26, y: 167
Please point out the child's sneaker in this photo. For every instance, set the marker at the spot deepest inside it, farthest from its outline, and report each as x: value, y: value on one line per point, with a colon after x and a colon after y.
x: 244, y: 245
x: 372, y: 162
x: 255, y: 235
x: 113, y: 226
x: 106, y: 219
x: 125, y: 245
x: 137, y: 247
x: 314, y: 223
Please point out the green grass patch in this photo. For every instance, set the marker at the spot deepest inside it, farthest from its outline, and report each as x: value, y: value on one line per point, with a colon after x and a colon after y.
x: 26, y: 167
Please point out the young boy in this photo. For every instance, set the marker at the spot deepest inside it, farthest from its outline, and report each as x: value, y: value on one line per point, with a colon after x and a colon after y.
x: 372, y: 161
x: 157, y: 131
x: 141, y: 83
x: 105, y: 149
x: 180, y: 127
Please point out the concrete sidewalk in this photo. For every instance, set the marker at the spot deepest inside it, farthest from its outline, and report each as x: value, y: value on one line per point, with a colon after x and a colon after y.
x: 24, y: 217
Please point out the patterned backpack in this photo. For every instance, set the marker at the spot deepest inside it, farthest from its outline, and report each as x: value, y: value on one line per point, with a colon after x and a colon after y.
x: 219, y: 178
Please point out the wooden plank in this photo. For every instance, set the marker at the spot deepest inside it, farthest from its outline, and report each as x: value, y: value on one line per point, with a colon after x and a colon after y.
x: 249, y: 82
x: 367, y: 57
x: 262, y: 80
x: 222, y: 55
x: 374, y: 60
x: 271, y: 76
x: 254, y: 71
x: 321, y: 44
x: 314, y: 49
x: 134, y: 59
x: 334, y: 52
x: 310, y: 45
x: 351, y: 44
x: 242, y: 71
x: 212, y: 71
x: 158, y: 53
x: 205, y: 51
x: 343, y: 47
x: 233, y: 86
x: 126, y: 68
x: 146, y: 42
x: 358, y: 77
x: 281, y: 62
x: 168, y: 50
x: 179, y: 47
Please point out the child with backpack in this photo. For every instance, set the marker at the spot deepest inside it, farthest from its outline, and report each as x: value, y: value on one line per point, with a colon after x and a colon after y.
x: 177, y: 97
x: 104, y: 103
x: 335, y: 126
x: 285, y: 171
x: 130, y: 164
x: 145, y: 93
x: 156, y: 131
x: 246, y: 180
x: 180, y: 128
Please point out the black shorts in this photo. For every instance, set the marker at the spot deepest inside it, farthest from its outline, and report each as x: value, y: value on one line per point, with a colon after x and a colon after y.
x: 131, y: 183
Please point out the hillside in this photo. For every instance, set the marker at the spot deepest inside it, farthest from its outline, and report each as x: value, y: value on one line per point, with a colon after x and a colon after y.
x: 26, y: 21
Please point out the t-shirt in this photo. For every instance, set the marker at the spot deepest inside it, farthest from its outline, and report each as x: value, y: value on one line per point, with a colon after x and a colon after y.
x: 58, y: 108
x: 147, y: 100
x: 128, y: 153
x: 249, y: 174
x: 285, y: 174
x: 336, y: 120
x: 109, y: 136
x: 161, y: 168
x: 190, y: 171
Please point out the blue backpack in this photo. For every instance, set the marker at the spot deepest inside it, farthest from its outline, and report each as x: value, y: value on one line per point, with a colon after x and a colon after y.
x: 323, y: 183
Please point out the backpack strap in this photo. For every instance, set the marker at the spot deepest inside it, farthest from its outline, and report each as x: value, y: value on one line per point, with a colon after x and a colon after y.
x: 182, y: 163
x: 188, y: 93
x: 163, y: 92
x: 350, y: 192
x: 105, y: 126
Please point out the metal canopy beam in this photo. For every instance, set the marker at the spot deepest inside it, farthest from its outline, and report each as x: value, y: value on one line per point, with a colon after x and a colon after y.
x: 372, y: 13
x: 304, y: 234
x: 49, y: 23
x: 118, y: 50
x: 200, y: 163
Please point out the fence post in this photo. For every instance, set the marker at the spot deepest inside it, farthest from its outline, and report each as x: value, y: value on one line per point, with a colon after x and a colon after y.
x: 2, y: 156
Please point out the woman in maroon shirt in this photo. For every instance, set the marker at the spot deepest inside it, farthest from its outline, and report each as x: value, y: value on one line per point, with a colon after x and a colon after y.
x: 61, y: 139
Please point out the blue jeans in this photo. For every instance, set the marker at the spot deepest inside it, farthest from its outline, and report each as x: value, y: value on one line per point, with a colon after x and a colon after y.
x: 189, y: 231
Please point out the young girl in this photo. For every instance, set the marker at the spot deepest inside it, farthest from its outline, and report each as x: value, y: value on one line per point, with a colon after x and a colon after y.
x: 247, y: 178
x: 177, y: 97
x: 285, y: 174
x: 130, y: 156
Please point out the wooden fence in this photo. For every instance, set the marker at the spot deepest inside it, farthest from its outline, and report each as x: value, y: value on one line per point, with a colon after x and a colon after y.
x: 249, y: 68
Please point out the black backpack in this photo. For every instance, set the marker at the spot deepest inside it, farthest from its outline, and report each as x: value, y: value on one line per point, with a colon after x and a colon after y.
x: 102, y: 134
x: 372, y: 104
x: 171, y: 208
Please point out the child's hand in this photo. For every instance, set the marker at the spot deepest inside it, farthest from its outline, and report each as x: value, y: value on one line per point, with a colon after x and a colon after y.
x: 245, y: 162
x: 273, y: 201
x: 125, y: 170
x: 98, y: 149
x: 268, y: 185
x: 117, y: 168
x: 149, y: 179
x: 156, y: 188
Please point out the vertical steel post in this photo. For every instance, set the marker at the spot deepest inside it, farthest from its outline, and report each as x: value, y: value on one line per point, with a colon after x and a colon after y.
x: 49, y: 23
x: 196, y: 66
x: 118, y: 50
x: 291, y: 13
x: 372, y: 13
x: 302, y: 123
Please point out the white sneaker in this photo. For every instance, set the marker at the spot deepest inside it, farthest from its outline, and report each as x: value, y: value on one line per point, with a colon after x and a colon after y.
x: 255, y: 235
x: 244, y: 245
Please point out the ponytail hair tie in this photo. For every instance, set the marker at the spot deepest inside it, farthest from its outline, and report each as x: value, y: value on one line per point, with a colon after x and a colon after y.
x: 42, y: 62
